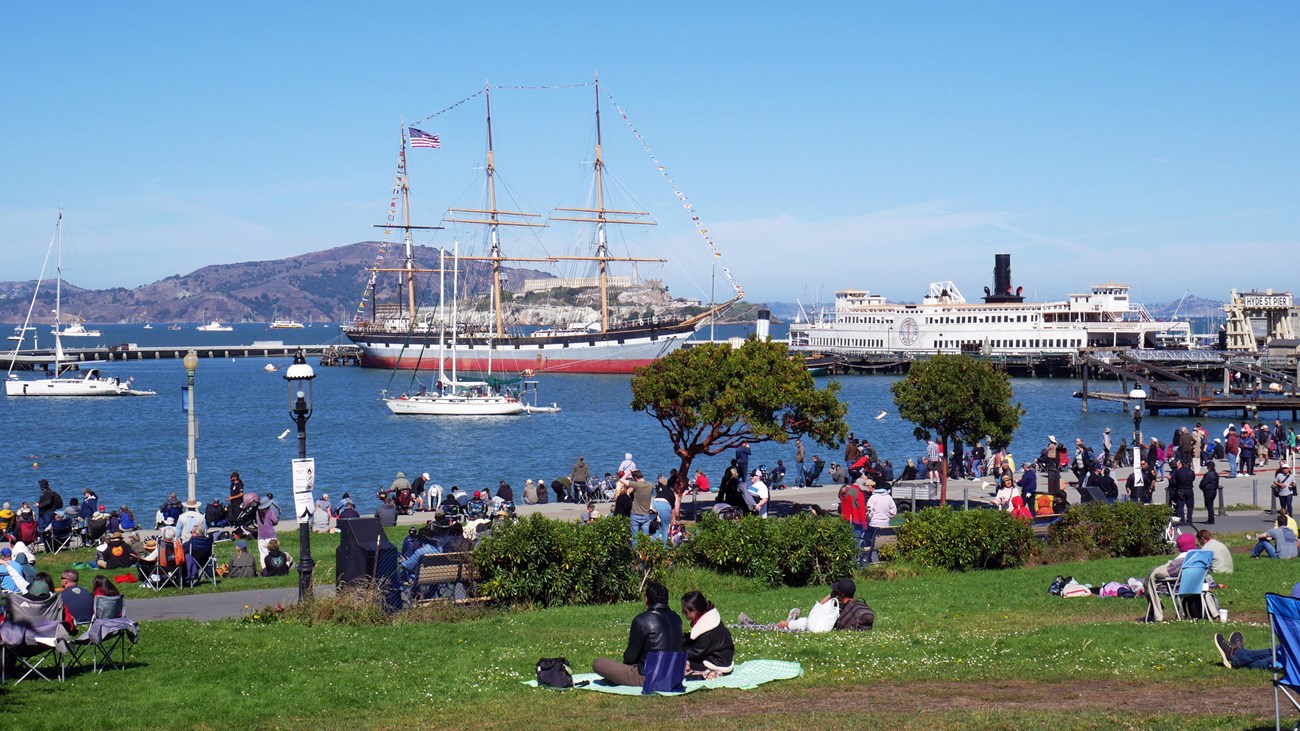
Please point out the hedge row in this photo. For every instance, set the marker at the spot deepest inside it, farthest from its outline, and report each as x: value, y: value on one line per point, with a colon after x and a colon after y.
x: 540, y: 561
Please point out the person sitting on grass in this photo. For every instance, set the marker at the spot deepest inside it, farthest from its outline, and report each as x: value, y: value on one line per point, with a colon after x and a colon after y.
x: 657, y: 629
x: 116, y: 554
x: 1277, y: 542
x: 710, y: 652
x: 839, y: 610
x: 1222, y: 561
x: 242, y: 565
x: 277, y: 562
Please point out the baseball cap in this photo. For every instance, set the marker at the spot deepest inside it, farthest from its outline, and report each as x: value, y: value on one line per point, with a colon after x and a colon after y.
x: 844, y: 588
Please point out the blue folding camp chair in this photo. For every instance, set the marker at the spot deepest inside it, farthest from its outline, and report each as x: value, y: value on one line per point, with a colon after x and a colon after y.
x: 1284, y: 621
x: 1190, y: 586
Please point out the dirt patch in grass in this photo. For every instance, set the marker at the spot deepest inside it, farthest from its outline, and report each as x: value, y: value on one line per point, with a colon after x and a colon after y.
x: 1122, y: 696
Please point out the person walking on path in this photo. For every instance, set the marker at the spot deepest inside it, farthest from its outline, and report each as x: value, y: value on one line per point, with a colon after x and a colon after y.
x: 1210, y: 490
x: 1182, y: 482
x: 642, y: 503
x: 268, y: 517
x: 1284, y: 487
x: 1232, y: 447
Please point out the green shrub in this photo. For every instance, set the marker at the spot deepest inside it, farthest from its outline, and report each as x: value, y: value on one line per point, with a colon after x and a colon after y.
x: 795, y: 551
x: 1122, y: 530
x: 547, y: 562
x: 965, y: 539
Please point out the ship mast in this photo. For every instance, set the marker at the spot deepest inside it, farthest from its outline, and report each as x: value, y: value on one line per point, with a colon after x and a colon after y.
x: 408, y: 268
x: 493, y: 221
x: 600, y: 217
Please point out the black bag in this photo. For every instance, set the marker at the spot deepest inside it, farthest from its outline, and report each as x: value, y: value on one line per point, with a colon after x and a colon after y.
x: 553, y: 672
x: 654, y: 526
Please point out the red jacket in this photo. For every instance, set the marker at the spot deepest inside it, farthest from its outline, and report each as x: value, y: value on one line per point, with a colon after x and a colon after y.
x: 853, y: 505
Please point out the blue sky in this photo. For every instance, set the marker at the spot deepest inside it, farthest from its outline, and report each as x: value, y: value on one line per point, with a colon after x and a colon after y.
x: 878, y: 145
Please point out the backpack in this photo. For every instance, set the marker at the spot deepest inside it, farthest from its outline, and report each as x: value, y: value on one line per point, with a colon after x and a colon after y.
x: 553, y: 672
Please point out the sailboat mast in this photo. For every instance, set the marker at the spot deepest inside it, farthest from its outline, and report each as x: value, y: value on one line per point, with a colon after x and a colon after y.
x: 58, y: 303
x: 495, y: 222
x: 602, y: 247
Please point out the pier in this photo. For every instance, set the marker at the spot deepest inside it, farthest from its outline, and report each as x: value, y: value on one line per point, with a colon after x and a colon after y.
x: 30, y: 360
x: 1247, y: 387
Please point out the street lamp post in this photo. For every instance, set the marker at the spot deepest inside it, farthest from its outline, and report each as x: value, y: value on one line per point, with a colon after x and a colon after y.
x: 191, y: 363
x: 1136, y: 398
x: 299, y: 377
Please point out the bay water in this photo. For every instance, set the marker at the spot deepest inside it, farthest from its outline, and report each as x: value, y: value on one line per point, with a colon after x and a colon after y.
x: 132, y: 450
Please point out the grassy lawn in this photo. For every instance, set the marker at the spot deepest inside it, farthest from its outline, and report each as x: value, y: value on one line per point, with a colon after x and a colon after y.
x: 322, y: 550
x: 979, y: 650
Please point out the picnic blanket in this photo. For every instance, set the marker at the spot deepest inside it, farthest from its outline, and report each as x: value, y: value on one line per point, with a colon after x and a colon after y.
x: 746, y: 676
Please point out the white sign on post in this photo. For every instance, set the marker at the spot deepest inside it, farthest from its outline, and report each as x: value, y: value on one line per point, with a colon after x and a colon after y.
x: 304, y: 480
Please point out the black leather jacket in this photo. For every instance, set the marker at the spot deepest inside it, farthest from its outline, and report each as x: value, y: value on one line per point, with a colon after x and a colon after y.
x: 657, y: 629
x: 1210, y: 483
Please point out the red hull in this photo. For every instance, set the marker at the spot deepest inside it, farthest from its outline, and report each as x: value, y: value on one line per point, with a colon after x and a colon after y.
x: 513, y: 365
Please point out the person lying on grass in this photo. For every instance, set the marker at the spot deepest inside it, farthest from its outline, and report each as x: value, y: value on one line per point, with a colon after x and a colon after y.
x: 839, y: 610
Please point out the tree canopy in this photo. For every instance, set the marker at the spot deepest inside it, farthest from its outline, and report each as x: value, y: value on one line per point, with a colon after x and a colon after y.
x: 960, y: 398
x: 711, y: 398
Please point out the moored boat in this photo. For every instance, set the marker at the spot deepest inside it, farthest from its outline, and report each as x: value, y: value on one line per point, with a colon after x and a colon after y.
x: 1004, y: 324
x: 409, y: 338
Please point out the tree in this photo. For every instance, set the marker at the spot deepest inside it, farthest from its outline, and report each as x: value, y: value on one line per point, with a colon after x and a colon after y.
x: 711, y: 398
x: 958, y: 397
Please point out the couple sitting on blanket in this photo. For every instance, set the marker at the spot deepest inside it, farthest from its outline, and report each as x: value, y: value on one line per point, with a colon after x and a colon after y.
x: 708, y: 646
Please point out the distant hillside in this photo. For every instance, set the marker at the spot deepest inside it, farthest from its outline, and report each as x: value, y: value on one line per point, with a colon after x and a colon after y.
x: 1188, y: 307
x: 323, y: 286
x: 328, y: 286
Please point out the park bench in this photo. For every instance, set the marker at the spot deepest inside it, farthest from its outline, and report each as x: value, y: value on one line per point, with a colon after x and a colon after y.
x: 446, y: 577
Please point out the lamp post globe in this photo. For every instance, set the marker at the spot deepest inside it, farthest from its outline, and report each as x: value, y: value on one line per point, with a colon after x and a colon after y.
x: 299, y: 377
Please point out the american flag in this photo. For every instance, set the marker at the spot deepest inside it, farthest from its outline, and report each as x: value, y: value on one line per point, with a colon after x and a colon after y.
x: 424, y: 139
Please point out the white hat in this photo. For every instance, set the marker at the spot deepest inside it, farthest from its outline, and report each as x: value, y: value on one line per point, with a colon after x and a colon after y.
x: 1051, y: 438
x: 426, y: 475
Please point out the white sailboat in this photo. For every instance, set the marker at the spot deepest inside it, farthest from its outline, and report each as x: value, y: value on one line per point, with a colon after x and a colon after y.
x: 92, y: 383
x: 77, y: 330
x: 454, y: 397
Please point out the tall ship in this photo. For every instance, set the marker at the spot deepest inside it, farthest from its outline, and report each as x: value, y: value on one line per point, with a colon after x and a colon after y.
x: 409, y: 336
x: 1004, y: 323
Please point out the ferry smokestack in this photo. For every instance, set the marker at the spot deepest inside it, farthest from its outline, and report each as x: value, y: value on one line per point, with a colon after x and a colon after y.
x: 764, y: 324
x: 1002, y: 291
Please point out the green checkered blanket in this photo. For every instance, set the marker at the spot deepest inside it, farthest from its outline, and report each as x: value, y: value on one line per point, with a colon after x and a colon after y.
x: 747, y: 675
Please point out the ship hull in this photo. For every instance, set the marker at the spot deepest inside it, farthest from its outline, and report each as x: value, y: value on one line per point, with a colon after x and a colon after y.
x: 612, y: 353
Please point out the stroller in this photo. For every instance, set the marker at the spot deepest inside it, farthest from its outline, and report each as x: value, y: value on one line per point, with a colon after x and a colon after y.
x: 404, y: 499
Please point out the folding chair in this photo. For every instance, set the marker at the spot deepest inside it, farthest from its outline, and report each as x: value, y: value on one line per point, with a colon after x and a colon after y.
x: 200, y: 564
x: 169, y: 570
x: 1191, y: 585
x: 34, y: 634
x: 1284, y: 623
x: 108, y: 634
x: 57, y: 539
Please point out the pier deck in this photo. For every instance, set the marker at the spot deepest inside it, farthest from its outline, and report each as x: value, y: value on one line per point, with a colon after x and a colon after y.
x: 38, y: 359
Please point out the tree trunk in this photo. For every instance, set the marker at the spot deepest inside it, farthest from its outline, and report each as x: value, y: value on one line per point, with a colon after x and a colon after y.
x: 943, y: 471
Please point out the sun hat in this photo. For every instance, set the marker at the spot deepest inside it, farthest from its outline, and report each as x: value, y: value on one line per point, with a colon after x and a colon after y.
x: 1051, y: 438
x: 265, y: 502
